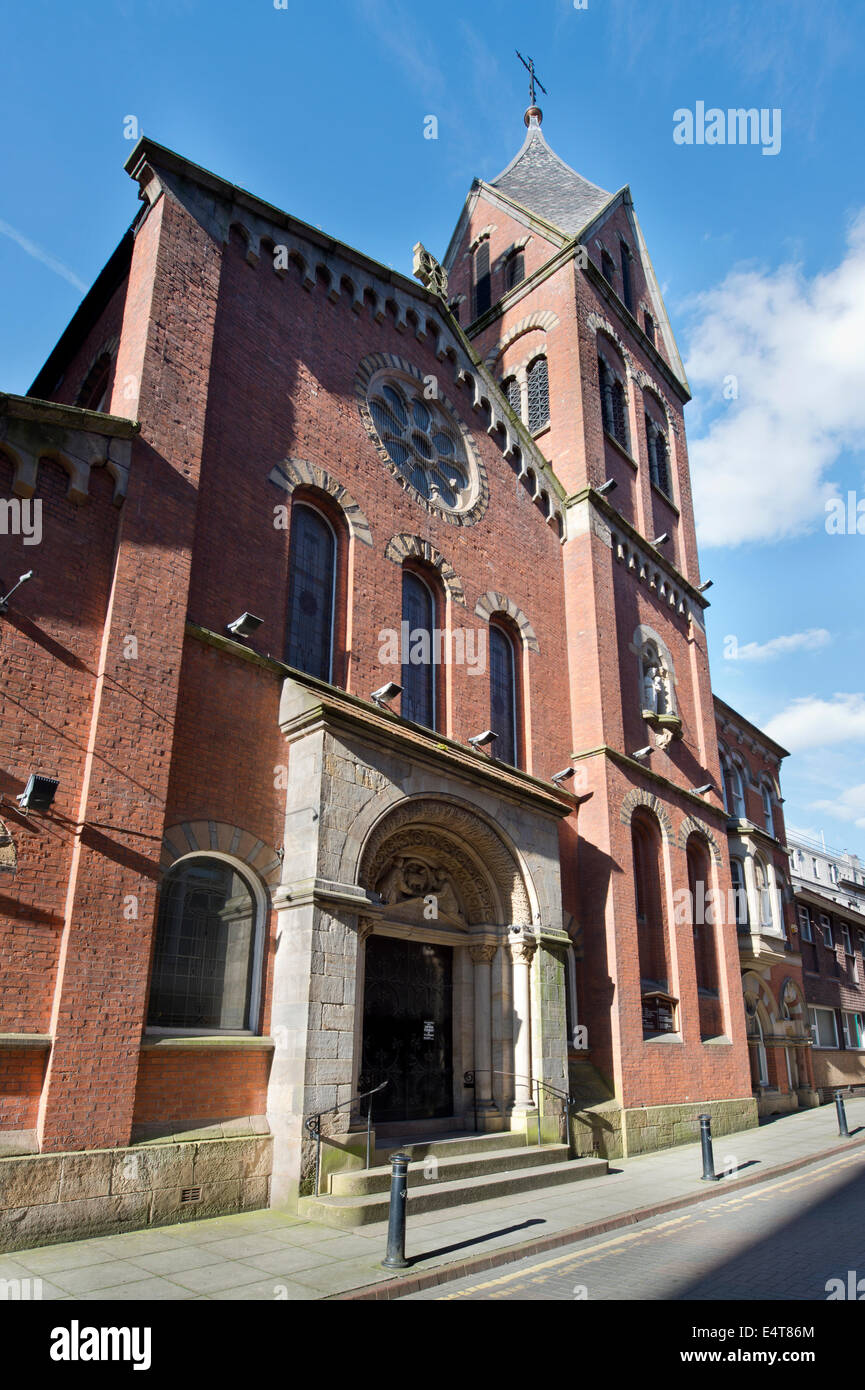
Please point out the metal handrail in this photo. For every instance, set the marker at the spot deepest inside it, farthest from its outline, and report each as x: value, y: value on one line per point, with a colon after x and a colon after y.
x: 312, y: 1124
x: 566, y: 1099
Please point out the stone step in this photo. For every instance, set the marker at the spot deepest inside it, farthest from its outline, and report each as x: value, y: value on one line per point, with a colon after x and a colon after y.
x: 449, y: 1169
x: 345, y: 1212
x: 447, y: 1145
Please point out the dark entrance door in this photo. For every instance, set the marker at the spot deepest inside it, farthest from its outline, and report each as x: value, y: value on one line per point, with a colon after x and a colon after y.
x: 407, y: 1028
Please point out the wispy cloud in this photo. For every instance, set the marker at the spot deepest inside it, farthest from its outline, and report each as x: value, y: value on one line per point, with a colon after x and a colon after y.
x: 777, y: 357
x: 44, y: 257
x: 849, y: 806
x: 814, y: 722
x: 810, y: 641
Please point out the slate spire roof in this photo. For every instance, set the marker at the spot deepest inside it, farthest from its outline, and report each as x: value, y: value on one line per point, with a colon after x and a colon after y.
x: 541, y: 182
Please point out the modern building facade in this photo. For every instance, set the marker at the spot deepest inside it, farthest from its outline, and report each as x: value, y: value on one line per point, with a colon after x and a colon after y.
x: 829, y: 888
x: 312, y: 532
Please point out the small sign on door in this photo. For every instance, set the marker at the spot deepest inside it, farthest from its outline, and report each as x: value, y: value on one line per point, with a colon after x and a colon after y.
x: 429, y: 1031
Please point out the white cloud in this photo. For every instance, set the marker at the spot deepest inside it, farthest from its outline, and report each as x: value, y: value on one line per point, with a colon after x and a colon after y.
x: 809, y: 641
x: 812, y: 722
x: 793, y: 347
x: 849, y: 806
x: 44, y: 257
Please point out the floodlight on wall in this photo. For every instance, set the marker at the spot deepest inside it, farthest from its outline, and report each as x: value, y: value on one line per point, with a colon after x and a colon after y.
x: 564, y: 776
x: 481, y: 740
x: 661, y: 540
x: 22, y: 579
x: 701, y: 588
x: 698, y: 791
x: 642, y: 752
x: 38, y: 795
x: 385, y: 693
x: 245, y: 625
x: 609, y: 486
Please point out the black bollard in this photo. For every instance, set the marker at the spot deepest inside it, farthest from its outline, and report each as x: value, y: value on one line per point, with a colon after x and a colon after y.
x: 842, y: 1116
x: 395, y: 1257
x: 709, y: 1174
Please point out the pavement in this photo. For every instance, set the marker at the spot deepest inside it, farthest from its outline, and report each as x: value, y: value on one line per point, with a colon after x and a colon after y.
x: 269, y: 1255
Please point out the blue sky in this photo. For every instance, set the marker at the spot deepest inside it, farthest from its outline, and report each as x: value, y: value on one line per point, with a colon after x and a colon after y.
x: 320, y: 109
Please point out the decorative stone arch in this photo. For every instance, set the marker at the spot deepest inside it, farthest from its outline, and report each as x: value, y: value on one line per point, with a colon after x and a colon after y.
x: 216, y: 837
x: 491, y: 603
x: 792, y: 1000
x: 484, y: 867
x: 692, y: 826
x: 637, y: 797
x: 405, y: 547
x: 757, y: 993
x: 295, y: 472
x: 596, y: 325
x: 543, y: 320
x: 483, y: 235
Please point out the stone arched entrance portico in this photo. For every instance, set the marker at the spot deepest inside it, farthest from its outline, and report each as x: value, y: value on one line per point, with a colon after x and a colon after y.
x: 443, y: 985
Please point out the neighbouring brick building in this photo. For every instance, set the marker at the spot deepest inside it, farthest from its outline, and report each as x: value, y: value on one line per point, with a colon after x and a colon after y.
x: 779, y: 1034
x: 829, y: 888
x: 258, y: 891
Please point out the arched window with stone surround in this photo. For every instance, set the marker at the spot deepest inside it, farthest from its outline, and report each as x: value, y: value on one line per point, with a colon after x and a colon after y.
x: 734, y: 795
x: 205, y: 962
x: 515, y: 269
x: 659, y: 456
x: 539, y: 393
x: 311, y: 588
x: 613, y: 402
x: 419, y: 665
x: 768, y: 808
x: 658, y: 1005
x: 482, y: 279
x: 704, y: 914
x: 93, y: 394
x: 513, y: 395
x: 503, y: 695
x: 740, y: 893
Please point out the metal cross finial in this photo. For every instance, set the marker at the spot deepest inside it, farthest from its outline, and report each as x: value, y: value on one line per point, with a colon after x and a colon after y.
x: 530, y: 69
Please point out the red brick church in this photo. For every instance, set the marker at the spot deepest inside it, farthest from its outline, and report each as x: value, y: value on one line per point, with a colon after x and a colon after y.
x: 275, y: 479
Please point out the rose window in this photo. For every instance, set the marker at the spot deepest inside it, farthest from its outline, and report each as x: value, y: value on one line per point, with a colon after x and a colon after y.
x: 423, y: 442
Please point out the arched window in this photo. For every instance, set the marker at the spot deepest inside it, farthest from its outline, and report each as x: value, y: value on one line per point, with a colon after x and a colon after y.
x: 483, y: 286
x: 734, y: 797
x: 649, y: 326
x: 625, y: 258
x: 539, y: 393
x: 204, y: 963
x: 657, y: 695
x: 311, y: 577
x: 703, y: 919
x: 608, y: 268
x: 94, y: 389
x: 419, y: 659
x: 759, y: 1069
x: 515, y: 269
x: 511, y: 389
x: 659, y: 456
x: 613, y: 404
x: 740, y: 893
x: 651, y: 924
x: 503, y: 696
x: 768, y: 813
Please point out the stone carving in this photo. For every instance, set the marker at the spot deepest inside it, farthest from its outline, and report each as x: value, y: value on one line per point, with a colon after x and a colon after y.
x: 410, y: 883
x: 523, y: 949
x: 482, y: 953
x: 426, y: 268
x: 8, y: 857
x: 442, y: 828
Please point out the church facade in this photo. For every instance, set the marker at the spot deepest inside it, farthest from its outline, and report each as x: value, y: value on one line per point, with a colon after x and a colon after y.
x: 364, y: 669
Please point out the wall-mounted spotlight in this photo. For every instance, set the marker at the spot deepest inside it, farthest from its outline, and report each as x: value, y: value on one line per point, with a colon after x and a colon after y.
x: 39, y: 792
x: 481, y: 740
x: 643, y: 752
x: 661, y: 540
x: 701, y: 588
x: 698, y: 791
x: 609, y: 486
x: 4, y: 601
x: 564, y: 776
x: 245, y: 625
x: 387, y: 692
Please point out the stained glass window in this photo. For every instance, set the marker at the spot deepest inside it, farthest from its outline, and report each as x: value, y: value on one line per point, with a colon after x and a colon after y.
x: 312, y: 559
x: 503, y: 702
x: 205, y: 938
x: 418, y: 670
x: 539, y: 393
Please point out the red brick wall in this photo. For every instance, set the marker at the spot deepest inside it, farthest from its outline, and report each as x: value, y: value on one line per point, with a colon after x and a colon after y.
x: 21, y: 1075
x: 184, y: 1087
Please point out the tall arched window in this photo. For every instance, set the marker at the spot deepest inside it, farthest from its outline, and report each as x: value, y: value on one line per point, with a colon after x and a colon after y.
x: 734, y: 796
x: 311, y: 577
x: 483, y: 285
x: 94, y: 389
x: 768, y: 813
x: 539, y: 393
x: 511, y: 389
x: 703, y: 920
x: 503, y: 696
x: 613, y: 406
x: 759, y: 1065
x: 659, y: 456
x: 651, y: 925
x: 515, y: 269
x: 203, y: 966
x: 740, y: 893
x: 418, y: 671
